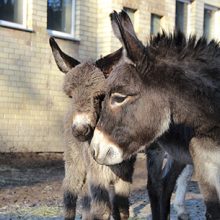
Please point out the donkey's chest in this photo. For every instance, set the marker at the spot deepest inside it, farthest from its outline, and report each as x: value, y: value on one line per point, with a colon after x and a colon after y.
x: 176, y: 142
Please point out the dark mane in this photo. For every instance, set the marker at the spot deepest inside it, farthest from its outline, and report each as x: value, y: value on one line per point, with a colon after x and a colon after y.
x: 177, y: 44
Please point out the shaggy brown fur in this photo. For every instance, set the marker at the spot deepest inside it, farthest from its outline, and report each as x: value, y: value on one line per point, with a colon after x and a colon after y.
x: 170, y: 81
x: 108, y: 186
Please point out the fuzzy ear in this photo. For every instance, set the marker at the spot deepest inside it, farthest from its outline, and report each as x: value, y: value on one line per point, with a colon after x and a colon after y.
x: 63, y: 61
x: 106, y: 63
x: 124, y: 31
x: 126, y: 23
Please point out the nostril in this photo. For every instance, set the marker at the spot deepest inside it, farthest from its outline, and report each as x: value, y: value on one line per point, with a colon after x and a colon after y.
x: 79, y: 130
x: 82, y: 132
x: 93, y: 153
x: 110, y: 152
x: 73, y: 127
x: 87, y: 130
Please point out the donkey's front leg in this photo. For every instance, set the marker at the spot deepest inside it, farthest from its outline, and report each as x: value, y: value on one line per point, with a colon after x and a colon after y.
x: 73, y: 183
x: 155, y: 157
x: 70, y: 199
x: 211, y: 200
x: 72, y: 189
x: 206, y: 153
x: 120, y: 209
x: 181, y: 190
x: 100, y: 208
x: 172, y: 171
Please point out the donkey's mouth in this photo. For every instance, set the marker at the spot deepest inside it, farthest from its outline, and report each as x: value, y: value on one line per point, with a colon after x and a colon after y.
x: 105, y: 151
x: 84, y: 134
x: 83, y: 138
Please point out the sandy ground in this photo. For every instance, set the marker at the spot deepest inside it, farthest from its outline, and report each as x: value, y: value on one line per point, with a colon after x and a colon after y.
x: 30, y: 188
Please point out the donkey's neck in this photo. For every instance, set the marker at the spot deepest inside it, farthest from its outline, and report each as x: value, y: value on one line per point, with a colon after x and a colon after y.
x: 185, y: 112
x: 194, y: 98
x: 199, y: 114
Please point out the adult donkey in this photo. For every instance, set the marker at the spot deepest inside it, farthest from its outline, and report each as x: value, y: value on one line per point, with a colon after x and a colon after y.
x: 171, y: 81
x: 109, y: 186
x: 84, y: 83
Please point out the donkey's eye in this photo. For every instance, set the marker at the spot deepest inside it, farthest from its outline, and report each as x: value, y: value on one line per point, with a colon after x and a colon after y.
x: 70, y: 96
x: 117, y: 98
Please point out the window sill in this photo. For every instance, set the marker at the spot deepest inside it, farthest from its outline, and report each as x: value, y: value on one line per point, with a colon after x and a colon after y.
x: 63, y: 36
x: 15, y: 26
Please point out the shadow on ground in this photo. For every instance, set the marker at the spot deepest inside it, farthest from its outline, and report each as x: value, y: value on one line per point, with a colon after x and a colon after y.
x: 31, y: 189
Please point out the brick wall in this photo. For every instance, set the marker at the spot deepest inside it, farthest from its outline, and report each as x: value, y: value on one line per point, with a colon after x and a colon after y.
x: 32, y: 104
x: 31, y: 97
x: 87, y: 28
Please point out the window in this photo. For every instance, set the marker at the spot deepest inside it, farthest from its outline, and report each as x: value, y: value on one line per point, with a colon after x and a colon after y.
x: 155, y: 24
x: 61, y: 17
x: 13, y: 13
x: 182, y: 15
x: 209, y: 21
x: 130, y: 13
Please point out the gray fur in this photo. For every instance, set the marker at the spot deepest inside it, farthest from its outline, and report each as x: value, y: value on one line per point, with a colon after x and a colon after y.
x: 109, y: 186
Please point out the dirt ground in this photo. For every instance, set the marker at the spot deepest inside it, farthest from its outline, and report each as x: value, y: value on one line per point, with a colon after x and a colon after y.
x: 30, y: 188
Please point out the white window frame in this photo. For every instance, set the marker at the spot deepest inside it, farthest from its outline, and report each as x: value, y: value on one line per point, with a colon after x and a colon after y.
x: 17, y: 25
x: 61, y: 34
x: 211, y: 7
x: 185, y: 1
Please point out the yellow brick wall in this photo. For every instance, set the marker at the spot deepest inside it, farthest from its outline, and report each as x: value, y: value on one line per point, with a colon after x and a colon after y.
x: 32, y: 104
x: 87, y: 28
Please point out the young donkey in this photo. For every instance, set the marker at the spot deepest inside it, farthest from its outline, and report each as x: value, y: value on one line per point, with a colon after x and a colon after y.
x: 84, y: 83
x: 171, y: 81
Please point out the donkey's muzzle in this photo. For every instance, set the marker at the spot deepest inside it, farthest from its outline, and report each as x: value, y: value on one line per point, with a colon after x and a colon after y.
x: 103, y: 150
x: 82, y: 132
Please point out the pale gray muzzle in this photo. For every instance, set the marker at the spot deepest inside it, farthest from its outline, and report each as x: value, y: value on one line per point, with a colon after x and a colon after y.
x: 103, y: 150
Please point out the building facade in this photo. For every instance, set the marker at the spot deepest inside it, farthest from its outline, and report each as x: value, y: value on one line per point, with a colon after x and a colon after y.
x: 32, y: 104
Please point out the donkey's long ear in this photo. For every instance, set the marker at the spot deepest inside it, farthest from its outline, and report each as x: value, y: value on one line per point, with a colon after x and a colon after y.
x: 106, y: 63
x: 63, y: 61
x: 124, y: 31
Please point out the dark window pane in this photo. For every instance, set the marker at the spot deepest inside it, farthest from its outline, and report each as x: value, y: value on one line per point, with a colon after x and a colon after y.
x: 181, y: 16
x: 155, y: 24
x: 11, y: 10
x: 59, y: 15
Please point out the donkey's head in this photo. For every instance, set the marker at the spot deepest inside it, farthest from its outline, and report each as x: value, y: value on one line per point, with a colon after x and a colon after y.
x: 132, y: 116
x: 85, y: 85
